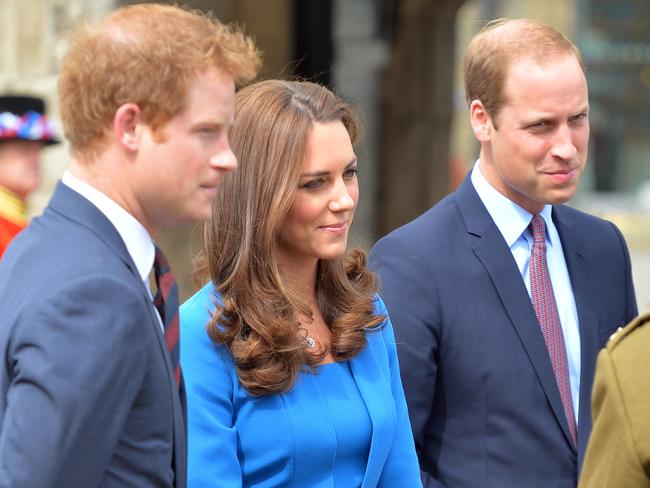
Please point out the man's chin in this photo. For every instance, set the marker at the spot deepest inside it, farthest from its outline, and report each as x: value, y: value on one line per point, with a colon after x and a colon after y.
x: 561, y: 197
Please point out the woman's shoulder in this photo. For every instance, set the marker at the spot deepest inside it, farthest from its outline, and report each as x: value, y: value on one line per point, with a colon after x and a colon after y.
x: 385, y: 326
x: 195, y: 315
x: 202, y: 303
x: 379, y: 307
x: 196, y: 312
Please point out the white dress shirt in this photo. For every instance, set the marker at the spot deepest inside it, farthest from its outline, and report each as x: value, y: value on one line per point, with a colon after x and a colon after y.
x: 513, y: 221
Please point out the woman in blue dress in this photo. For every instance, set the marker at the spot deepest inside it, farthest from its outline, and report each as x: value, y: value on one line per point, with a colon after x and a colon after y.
x: 288, y: 353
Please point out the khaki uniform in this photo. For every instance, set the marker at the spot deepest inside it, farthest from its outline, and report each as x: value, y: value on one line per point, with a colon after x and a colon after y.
x: 618, y: 454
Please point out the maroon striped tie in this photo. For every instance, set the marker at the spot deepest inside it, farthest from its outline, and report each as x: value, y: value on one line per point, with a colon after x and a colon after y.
x: 166, y: 301
x: 541, y: 290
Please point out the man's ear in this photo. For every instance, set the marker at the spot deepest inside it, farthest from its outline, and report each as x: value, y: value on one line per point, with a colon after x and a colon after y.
x: 480, y: 120
x: 127, y: 126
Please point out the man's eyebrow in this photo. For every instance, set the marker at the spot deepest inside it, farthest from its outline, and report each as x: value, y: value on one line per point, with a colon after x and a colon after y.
x: 211, y: 123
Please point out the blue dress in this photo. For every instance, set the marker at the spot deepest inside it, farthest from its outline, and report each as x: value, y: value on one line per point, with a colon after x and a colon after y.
x: 345, y: 408
x: 344, y: 426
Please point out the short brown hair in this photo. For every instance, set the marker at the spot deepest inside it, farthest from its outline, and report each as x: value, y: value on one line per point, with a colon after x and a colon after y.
x: 498, y: 45
x: 148, y: 55
x: 258, y: 319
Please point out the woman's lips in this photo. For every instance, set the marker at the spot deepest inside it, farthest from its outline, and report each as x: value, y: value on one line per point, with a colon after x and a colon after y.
x: 335, y: 228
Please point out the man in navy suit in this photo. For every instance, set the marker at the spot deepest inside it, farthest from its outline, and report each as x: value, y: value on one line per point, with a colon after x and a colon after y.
x: 91, y: 395
x: 483, y: 285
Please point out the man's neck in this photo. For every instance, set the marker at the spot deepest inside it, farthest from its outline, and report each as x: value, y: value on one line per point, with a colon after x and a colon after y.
x: 107, y: 177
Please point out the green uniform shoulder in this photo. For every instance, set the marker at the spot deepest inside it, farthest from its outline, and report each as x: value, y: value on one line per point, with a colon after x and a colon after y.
x: 624, y: 333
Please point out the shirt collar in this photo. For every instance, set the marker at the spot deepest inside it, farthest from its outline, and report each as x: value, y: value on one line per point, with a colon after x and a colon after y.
x: 136, y: 238
x: 511, y: 219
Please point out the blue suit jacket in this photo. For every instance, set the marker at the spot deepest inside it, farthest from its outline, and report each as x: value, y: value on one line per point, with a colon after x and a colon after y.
x: 87, y: 397
x: 483, y: 401
x: 284, y: 440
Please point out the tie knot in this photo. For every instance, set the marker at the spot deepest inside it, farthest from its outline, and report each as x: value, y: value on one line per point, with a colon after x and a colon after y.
x: 538, y: 230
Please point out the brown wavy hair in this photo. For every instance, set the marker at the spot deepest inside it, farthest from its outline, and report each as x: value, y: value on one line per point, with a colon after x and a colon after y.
x: 257, y: 319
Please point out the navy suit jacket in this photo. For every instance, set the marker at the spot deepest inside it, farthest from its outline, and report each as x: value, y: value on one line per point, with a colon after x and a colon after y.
x: 483, y: 401
x: 87, y: 395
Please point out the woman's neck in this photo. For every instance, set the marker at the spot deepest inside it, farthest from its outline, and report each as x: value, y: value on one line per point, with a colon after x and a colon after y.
x: 301, y: 278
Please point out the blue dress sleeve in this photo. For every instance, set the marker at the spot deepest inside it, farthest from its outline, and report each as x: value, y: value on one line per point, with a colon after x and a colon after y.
x: 401, y: 467
x: 210, y: 379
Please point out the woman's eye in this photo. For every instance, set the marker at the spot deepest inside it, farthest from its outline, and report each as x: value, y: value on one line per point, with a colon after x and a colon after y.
x: 313, y: 184
x: 350, y: 172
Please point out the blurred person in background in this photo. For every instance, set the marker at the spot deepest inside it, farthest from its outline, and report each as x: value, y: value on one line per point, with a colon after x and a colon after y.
x: 288, y: 354
x: 91, y: 389
x: 24, y: 130
x: 501, y: 295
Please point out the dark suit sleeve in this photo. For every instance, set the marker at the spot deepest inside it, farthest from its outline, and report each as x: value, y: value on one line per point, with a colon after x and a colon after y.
x: 631, y: 310
x: 77, y: 360
x: 409, y: 291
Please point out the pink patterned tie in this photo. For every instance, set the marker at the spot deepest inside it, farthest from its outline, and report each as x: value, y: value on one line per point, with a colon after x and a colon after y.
x: 545, y: 307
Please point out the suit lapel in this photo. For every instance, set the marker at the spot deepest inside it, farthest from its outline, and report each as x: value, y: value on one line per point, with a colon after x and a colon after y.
x: 178, y: 400
x: 493, y: 252
x: 581, y: 284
